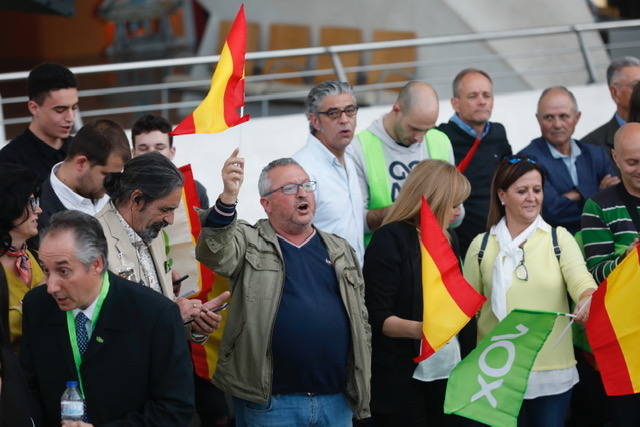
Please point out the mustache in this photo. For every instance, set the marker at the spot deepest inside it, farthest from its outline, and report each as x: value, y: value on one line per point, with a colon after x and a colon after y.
x: 153, y: 230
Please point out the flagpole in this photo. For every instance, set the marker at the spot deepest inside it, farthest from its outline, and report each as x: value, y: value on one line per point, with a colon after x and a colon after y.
x: 573, y: 319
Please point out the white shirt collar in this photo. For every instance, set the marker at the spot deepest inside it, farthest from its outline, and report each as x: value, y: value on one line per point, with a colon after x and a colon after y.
x: 72, y: 200
x: 87, y: 311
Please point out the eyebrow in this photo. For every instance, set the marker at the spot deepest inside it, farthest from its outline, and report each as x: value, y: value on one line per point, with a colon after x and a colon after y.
x: 65, y: 262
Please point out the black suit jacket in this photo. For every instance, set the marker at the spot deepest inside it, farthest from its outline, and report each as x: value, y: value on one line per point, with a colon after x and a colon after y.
x: 136, y: 371
x: 603, y: 136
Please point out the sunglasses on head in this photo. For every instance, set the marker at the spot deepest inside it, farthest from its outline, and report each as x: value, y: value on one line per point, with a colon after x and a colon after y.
x: 517, y: 159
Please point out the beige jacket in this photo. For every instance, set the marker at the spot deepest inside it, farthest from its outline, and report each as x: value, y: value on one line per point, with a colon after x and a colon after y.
x: 122, y: 254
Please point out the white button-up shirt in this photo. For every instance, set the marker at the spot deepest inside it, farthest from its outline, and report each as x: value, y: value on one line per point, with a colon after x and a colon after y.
x: 72, y: 200
x: 339, y: 205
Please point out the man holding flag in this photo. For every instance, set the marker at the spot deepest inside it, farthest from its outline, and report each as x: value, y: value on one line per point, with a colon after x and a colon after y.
x: 296, y: 347
x: 610, y: 226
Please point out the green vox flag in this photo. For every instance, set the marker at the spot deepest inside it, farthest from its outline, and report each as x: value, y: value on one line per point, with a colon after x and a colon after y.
x: 489, y: 384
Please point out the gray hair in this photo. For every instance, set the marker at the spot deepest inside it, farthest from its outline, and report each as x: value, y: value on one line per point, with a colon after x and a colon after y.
x: 563, y: 89
x: 152, y: 173
x: 619, y: 63
x: 319, y: 92
x: 465, y: 72
x: 89, y: 238
x: 264, y: 182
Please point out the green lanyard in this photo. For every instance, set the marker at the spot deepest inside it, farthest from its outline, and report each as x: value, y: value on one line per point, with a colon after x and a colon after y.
x: 71, y: 326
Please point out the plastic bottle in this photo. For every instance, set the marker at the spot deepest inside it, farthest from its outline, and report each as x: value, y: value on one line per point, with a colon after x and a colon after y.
x: 71, y: 403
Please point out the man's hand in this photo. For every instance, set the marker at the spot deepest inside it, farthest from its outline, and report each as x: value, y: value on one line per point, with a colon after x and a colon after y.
x: 608, y: 181
x: 573, y: 195
x: 189, y: 308
x: 76, y: 424
x: 206, y: 322
x: 232, y: 177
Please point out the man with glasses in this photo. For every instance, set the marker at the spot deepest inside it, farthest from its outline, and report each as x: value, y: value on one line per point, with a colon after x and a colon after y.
x: 331, y: 109
x: 622, y: 75
x: 573, y: 171
x: 296, y: 346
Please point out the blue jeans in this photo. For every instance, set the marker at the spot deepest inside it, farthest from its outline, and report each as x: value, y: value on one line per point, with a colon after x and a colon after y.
x: 284, y: 410
x: 545, y: 411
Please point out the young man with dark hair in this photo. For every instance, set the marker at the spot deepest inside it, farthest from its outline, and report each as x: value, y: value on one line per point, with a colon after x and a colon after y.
x: 53, y: 103
x: 99, y: 148
x: 151, y: 133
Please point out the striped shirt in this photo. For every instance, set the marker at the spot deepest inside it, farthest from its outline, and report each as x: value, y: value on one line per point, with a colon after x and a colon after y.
x: 607, y: 231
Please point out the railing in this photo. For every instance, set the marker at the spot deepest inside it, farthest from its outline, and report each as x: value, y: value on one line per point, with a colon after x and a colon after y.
x: 276, y: 92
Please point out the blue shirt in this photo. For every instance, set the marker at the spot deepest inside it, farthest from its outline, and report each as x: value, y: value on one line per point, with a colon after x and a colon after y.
x: 569, y: 161
x: 620, y: 120
x: 339, y: 204
x: 309, y: 356
x: 592, y: 165
x: 468, y: 129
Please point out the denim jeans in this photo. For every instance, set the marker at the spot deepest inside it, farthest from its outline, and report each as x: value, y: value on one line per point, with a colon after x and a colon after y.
x: 284, y: 410
x: 545, y: 411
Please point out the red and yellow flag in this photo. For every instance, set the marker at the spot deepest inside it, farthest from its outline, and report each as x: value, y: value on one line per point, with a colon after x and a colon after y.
x: 448, y: 300
x: 218, y: 111
x: 613, y: 328
x: 209, y: 284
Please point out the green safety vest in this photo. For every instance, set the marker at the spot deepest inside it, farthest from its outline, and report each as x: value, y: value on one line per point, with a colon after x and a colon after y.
x: 437, y: 146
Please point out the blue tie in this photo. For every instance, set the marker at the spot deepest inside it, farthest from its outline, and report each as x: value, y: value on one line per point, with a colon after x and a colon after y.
x: 81, y: 332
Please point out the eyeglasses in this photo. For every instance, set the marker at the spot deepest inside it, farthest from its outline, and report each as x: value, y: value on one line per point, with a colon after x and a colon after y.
x: 308, y: 186
x: 34, y: 203
x: 517, y: 159
x: 521, y: 269
x: 335, y: 113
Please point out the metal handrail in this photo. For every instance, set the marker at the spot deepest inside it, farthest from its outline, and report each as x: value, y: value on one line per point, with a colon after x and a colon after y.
x: 358, y: 47
x: 337, y: 67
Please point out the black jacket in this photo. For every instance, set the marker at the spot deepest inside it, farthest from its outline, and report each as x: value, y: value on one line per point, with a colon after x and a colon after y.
x: 136, y: 370
x: 493, y: 147
x: 393, y: 286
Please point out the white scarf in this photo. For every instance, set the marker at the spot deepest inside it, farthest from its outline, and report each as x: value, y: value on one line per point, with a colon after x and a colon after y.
x: 509, y: 256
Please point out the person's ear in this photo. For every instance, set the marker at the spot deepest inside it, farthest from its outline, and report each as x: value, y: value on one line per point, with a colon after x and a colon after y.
x: 137, y: 199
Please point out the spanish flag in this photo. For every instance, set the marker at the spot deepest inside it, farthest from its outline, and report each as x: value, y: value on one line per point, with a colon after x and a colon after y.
x: 207, y: 284
x: 613, y: 328
x: 448, y: 300
x: 218, y: 111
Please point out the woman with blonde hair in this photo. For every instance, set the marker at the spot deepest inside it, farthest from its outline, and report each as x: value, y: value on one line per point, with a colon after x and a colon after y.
x: 404, y: 393
x: 522, y: 262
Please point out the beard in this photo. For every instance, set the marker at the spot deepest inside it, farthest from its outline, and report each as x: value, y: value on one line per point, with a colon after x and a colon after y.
x: 152, y: 231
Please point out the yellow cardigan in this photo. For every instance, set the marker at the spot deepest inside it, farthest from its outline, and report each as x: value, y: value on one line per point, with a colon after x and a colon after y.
x: 17, y: 291
x: 547, y: 287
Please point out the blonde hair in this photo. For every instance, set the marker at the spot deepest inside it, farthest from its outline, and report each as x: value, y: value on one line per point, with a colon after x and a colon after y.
x: 439, y: 182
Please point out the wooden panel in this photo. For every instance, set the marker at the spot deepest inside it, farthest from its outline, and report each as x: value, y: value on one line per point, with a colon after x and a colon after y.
x: 330, y: 36
x: 42, y: 37
x: 253, y: 41
x: 386, y: 56
x: 285, y: 36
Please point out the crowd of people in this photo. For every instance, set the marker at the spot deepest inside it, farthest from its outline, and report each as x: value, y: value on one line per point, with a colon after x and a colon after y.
x: 325, y: 309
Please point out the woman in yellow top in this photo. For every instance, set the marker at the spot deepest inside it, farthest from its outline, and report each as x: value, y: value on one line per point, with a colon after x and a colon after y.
x: 520, y: 269
x: 19, y: 210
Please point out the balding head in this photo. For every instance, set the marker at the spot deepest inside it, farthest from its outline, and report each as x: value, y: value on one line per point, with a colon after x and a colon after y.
x: 558, y: 116
x: 413, y: 114
x: 626, y: 154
